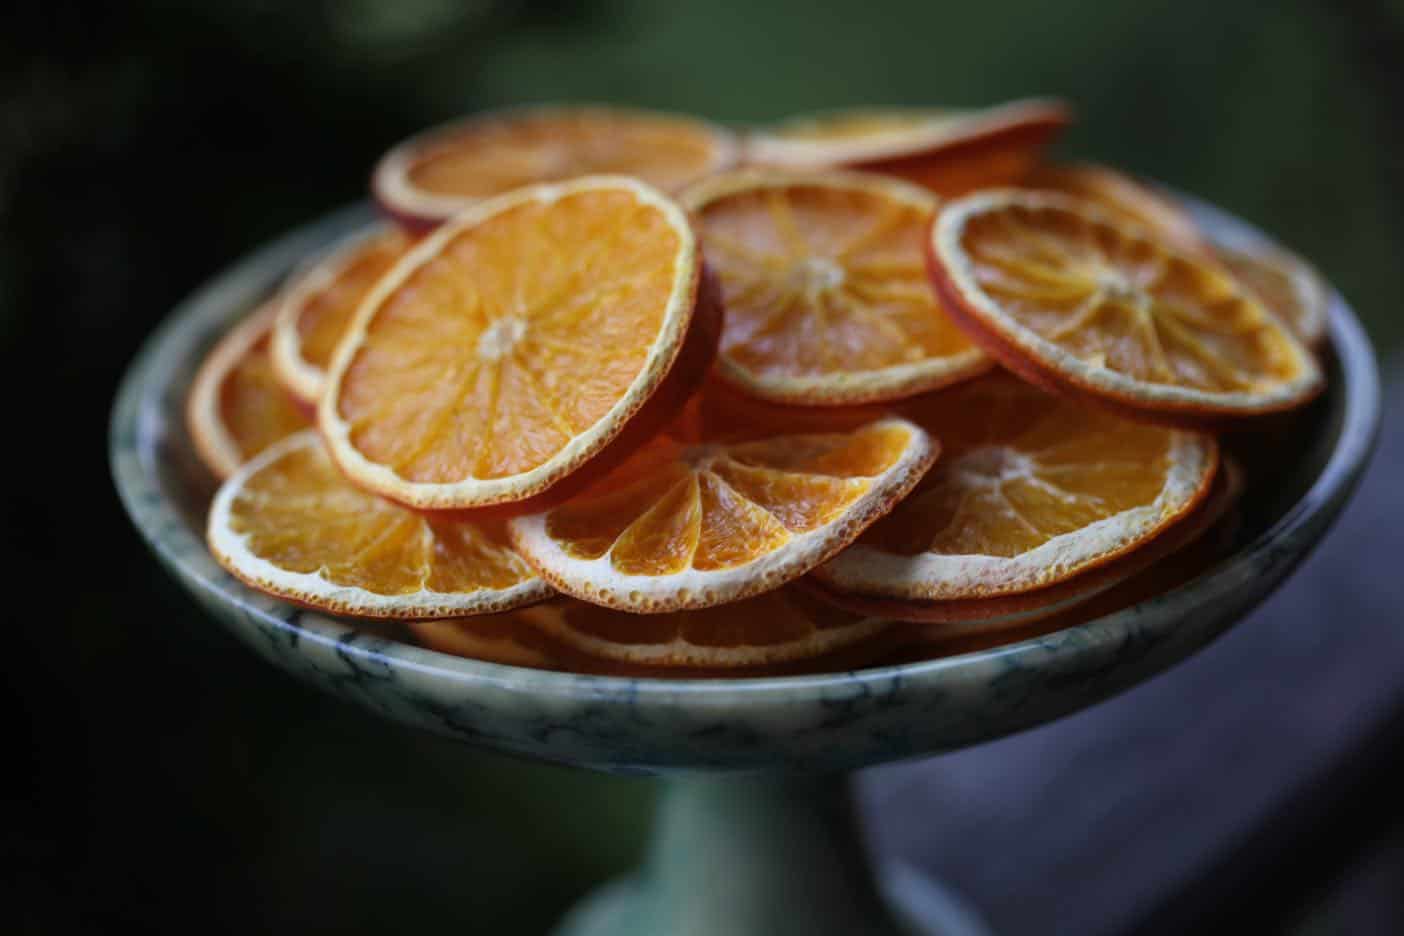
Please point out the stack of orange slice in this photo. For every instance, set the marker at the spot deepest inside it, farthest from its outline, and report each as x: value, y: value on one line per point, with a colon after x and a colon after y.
x: 596, y: 399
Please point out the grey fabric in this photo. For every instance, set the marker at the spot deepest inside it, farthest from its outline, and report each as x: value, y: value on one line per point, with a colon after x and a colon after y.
x: 1095, y: 823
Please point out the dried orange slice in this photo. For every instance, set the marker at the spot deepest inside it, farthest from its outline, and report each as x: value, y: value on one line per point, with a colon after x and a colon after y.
x: 430, y: 177
x: 1023, y: 607
x: 685, y: 525
x: 780, y: 626
x: 236, y: 407
x: 317, y: 307
x: 515, y: 343
x: 1126, y: 197
x: 497, y: 638
x: 1285, y: 283
x: 948, y: 151
x: 824, y: 285
x: 1062, y: 293
x: 1031, y: 489
x: 289, y: 524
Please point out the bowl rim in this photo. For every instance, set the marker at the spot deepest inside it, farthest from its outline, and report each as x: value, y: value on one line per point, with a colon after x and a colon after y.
x: 147, y: 380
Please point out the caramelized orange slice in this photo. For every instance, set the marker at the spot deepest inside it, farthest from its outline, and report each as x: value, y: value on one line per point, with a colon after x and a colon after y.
x: 430, y: 177
x: 317, y: 307
x: 512, y: 345
x: 824, y: 285
x: 1065, y: 295
x: 948, y: 151
x: 236, y: 407
x: 289, y: 524
x: 687, y: 525
x: 1031, y: 490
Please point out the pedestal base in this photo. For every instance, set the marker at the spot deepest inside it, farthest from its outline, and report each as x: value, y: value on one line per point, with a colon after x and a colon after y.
x: 758, y: 855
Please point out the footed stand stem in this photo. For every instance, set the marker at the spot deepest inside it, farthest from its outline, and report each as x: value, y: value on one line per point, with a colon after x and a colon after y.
x: 754, y: 854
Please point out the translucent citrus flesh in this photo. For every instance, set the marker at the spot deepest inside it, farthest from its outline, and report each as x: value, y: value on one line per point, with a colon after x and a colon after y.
x: 519, y: 335
x: 1111, y: 297
x: 1019, y: 467
x: 1285, y: 285
x: 783, y: 624
x: 254, y: 407
x: 499, y: 155
x: 822, y: 281
x: 324, y: 315
x: 300, y: 514
x: 717, y: 507
x: 1124, y: 197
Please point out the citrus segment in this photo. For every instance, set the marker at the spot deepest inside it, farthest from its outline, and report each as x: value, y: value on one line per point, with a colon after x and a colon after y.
x: 1285, y: 283
x: 430, y: 177
x: 317, y: 307
x: 688, y: 525
x: 289, y: 524
x: 1031, y: 489
x: 236, y: 407
x: 1126, y: 197
x: 826, y: 296
x: 515, y: 343
x: 1066, y: 296
x: 948, y: 151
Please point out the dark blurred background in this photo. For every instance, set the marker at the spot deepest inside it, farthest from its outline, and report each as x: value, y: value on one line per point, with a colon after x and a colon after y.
x: 160, y: 777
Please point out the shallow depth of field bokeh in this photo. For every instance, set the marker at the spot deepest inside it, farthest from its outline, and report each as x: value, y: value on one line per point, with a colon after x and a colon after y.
x: 175, y: 781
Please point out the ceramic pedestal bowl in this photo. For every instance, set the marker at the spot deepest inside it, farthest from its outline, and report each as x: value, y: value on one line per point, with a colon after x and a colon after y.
x: 756, y: 832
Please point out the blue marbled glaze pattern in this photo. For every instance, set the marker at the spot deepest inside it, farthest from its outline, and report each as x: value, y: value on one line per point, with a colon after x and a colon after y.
x: 803, y: 723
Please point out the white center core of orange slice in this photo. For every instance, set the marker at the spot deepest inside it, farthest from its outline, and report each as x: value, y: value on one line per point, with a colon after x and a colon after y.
x: 700, y: 457
x: 498, y: 339
x: 814, y: 275
x: 993, y: 465
x: 1118, y: 288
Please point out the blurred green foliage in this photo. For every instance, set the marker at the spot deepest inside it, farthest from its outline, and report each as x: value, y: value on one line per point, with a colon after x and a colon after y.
x: 144, y: 145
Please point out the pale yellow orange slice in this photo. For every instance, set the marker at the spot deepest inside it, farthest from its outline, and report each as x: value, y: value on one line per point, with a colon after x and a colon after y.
x: 320, y: 302
x: 236, y: 407
x: 825, y: 289
x: 1067, y: 296
x: 289, y: 524
x: 430, y: 177
x: 514, y: 344
x: 686, y: 524
x: 1031, y: 489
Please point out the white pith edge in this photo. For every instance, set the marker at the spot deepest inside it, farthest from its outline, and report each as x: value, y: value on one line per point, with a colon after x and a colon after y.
x: 598, y: 582
x: 232, y: 551
x: 851, y: 386
x: 866, y: 570
x: 481, y: 491
x: 775, y: 149
x: 221, y: 453
x: 391, y: 185
x: 946, y: 235
x: 305, y: 380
